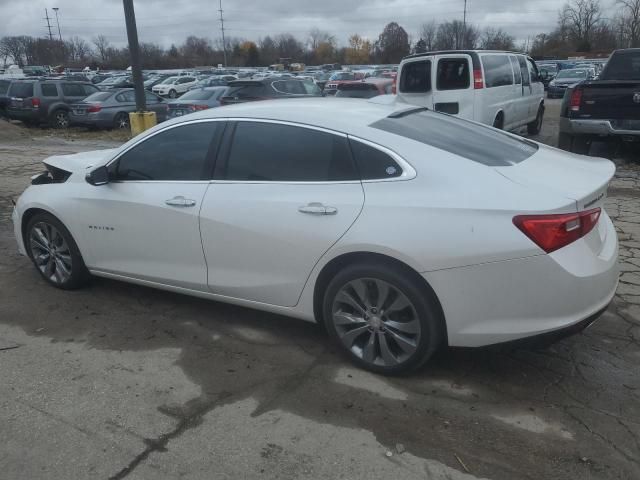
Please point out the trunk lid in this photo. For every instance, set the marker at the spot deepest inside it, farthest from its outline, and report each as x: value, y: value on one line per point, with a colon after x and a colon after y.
x: 550, y: 171
x: 611, y: 99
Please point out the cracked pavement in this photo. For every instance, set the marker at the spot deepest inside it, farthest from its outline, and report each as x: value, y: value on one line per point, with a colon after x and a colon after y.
x: 119, y: 381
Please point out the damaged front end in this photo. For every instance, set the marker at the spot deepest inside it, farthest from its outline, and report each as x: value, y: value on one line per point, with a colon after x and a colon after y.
x: 51, y: 175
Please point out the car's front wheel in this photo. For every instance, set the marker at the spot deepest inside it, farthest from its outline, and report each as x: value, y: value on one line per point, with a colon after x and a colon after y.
x: 382, y: 318
x: 54, y: 252
x: 173, y: 94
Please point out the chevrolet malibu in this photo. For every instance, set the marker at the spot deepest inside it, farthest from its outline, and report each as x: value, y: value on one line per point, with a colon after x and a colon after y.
x: 398, y: 228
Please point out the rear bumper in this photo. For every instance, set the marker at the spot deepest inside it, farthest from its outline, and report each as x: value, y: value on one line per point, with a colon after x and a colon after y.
x: 89, y: 121
x: 503, y: 301
x: 593, y: 127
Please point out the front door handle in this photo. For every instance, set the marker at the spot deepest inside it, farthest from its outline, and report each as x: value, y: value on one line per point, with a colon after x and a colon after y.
x: 316, y: 208
x: 180, y: 201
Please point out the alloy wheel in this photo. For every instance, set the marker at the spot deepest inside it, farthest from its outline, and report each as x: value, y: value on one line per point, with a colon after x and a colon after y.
x: 62, y: 119
x: 376, y: 321
x: 50, y: 252
x: 123, y: 121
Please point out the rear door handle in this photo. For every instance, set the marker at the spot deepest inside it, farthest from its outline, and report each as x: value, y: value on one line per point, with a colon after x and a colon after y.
x: 180, y: 201
x: 316, y: 208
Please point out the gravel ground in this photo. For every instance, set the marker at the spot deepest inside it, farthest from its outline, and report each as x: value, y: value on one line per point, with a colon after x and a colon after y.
x: 120, y: 381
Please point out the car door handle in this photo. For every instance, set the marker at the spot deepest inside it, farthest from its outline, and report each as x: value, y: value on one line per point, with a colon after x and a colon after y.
x: 316, y: 208
x: 180, y: 201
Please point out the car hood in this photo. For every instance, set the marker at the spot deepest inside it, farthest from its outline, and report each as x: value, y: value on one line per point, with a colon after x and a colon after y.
x: 79, y: 162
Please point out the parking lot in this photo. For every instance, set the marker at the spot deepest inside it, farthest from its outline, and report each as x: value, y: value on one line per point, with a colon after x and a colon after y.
x: 120, y: 381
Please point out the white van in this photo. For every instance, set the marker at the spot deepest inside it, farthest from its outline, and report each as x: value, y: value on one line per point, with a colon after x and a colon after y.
x: 502, y: 89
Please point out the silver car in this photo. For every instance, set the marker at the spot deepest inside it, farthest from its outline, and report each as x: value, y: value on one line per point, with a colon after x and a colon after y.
x: 111, y: 109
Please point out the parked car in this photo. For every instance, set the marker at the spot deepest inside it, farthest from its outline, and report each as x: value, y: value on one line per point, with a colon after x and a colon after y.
x: 172, y: 87
x: 568, y: 78
x: 110, y: 81
x: 608, y: 107
x: 321, y: 79
x: 46, y: 101
x: 196, y: 100
x: 213, y: 81
x: 99, y: 77
x: 547, y: 74
x: 153, y: 80
x: 242, y: 91
x: 337, y: 78
x: 371, y: 87
x: 4, y: 98
x: 111, y: 109
x: 400, y: 229
x: 501, y: 89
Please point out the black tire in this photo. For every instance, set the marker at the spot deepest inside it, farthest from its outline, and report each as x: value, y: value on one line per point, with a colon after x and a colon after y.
x: 60, y: 118
x: 173, y: 94
x: 423, y: 302
x: 581, y: 144
x: 78, y: 273
x: 121, y: 121
x: 499, y: 122
x: 535, y: 127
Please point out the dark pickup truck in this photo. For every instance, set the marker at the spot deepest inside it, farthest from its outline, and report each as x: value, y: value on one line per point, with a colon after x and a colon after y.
x: 606, y: 107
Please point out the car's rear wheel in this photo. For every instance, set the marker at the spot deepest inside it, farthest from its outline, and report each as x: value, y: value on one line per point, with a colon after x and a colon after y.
x: 60, y: 119
x: 121, y: 121
x: 173, y: 94
x: 54, y: 252
x: 535, y: 127
x: 382, y: 318
x: 499, y: 121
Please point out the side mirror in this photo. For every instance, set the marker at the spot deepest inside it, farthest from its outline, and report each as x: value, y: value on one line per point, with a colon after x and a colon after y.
x: 99, y: 176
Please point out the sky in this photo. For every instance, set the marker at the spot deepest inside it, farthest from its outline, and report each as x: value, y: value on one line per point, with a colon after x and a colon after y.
x: 171, y: 21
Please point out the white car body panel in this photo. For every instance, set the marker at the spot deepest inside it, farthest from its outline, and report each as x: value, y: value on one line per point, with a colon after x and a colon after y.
x: 450, y: 220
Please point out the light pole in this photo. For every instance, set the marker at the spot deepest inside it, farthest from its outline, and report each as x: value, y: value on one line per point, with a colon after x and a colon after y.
x: 55, y: 9
x: 224, y: 44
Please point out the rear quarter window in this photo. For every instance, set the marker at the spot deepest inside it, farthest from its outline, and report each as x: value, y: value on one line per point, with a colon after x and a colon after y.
x: 21, y: 90
x: 468, y: 140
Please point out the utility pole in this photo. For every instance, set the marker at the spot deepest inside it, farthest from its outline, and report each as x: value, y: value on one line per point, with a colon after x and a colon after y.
x: 55, y: 9
x: 224, y: 43
x: 464, y: 23
x: 46, y: 13
x: 134, y: 50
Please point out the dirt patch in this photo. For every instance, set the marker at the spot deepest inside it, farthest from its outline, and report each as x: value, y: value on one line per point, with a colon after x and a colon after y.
x: 10, y: 131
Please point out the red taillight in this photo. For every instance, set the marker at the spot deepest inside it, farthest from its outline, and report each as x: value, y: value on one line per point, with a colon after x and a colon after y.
x: 394, y: 86
x: 35, y: 102
x: 478, y: 81
x: 552, y: 232
x: 201, y: 107
x: 576, y: 99
x: 94, y: 108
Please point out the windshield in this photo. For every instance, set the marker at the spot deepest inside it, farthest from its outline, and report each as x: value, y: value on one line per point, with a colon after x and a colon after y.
x: 358, y: 93
x: 572, y: 74
x: 623, y: 66
x: 169, y: 80
x: 341, y: 76
x: 473, y: 141
x: 198, y: 95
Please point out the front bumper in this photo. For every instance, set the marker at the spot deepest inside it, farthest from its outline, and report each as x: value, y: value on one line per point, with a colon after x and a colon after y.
x: 554, y: 91
x: 576, y: 126
x: 503, y: 301
x: 17, y: 231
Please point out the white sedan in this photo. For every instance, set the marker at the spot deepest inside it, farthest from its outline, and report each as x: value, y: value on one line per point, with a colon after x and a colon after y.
x: 172, y: 87
x: 400, y: 229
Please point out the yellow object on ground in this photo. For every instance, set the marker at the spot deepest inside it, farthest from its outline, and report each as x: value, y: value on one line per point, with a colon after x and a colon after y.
x: 142, y: 121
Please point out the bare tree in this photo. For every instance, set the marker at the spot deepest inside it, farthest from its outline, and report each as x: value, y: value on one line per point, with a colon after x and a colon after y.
x: 428, y: 34
x: 581, y: 17
x: 631, y: 21
x: 102, y: 47
x: 14, y: 47
x: 493, y: 39
x: 317, y: 36
x: 454, y: 35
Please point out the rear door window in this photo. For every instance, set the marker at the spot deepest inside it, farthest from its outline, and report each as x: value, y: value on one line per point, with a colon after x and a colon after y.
x: 497, y: 70
x: 416, y: 77
x: 90, y: 89
x: 21, y: 90
x: 246, y: 91
x: 49, y: 90
x: 258, y: 153
x: 453, y: 74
